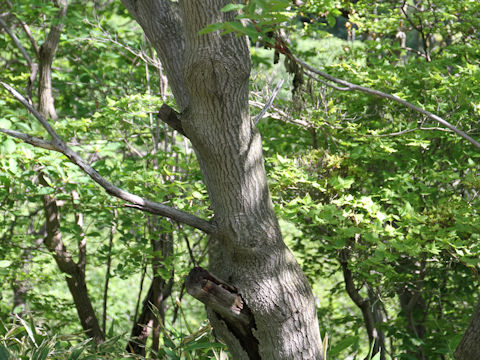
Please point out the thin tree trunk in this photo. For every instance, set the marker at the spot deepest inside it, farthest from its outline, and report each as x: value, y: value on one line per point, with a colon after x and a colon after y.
x: 46, y: 56
x: 53, y: 241
x: 157, y: 295
x: 143, y: 326
x: 107, y: 272
x: 412, y: 303
x: 75, y: 273
x: 370, y: 316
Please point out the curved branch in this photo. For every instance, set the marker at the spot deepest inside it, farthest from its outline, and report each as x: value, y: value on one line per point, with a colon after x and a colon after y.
x: 57, y: 144
x: 349, y: 86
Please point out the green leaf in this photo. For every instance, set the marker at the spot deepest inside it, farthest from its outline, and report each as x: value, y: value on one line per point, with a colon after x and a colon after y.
x: 202, y: 345
x: 5, y: 263
x: 6, y: 124
x: 232, y: 7
x: 331, y: 20
x: 342, y: 345
x: 197, y: 195
x: 9, y: 146
x: 29, y: 331
x: 211, y: 28
x: 4, y: 353
x: 171, y: 354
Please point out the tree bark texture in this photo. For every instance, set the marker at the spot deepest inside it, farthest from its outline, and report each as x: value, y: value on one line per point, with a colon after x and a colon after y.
x: 46, y: 56
x: 209, y: 76
x: 469, y: 347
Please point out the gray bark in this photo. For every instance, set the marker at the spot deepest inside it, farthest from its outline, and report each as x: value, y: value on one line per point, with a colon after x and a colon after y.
x: 209, y: 76
x: 469, y: 347
x: 46, y: 56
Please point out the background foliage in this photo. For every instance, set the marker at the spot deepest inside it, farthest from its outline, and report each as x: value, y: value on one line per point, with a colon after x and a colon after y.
x: 362, y: 186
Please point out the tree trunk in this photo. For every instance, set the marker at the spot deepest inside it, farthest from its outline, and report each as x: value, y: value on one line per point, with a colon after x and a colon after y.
x: 247, y: 250
x: 469, y: 347
x: 370, y: 311
x: 75, y: 272
x: 46, y: 56
x: 157, y: 296
x: 143, y: 326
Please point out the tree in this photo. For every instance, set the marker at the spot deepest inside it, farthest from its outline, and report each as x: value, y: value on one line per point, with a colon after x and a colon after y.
x: 348, y: 206
x: 209, y: 77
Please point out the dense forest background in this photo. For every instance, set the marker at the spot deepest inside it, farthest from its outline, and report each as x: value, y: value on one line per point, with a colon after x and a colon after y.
x: 380, y: 204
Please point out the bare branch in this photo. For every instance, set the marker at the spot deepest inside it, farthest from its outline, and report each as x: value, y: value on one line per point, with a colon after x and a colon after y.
x: 269, y: 102
x: 406, y: 131
x: 326, y: 83
x: 109, y: 39
x: 30, y: 38
x: 281, y: 115
x: 17, y: 42
x: 222, y: 298
x: 350, y: 86
x: 32, y: 140
x: 138, y: 202
x: 31, y: 64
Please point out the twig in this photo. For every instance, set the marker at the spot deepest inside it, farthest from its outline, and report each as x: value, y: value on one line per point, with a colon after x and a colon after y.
x: 269, y: 102
x: 57, y: 144
x: 17, y: 42
x: 406, y: 131
x: 381, y: 94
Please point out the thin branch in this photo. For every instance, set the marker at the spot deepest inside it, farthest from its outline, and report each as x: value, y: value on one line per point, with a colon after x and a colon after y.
x: 32, y: 140
x: 27, y: 31
x: 281, y: 115
x: 109, y: 39
x: 326, y: 83
x: 406, y: 131
x: 30, y: 38
x: 381, y: 94
x: 17, y: 42
x: 269, y: 102
x: 136, y: 201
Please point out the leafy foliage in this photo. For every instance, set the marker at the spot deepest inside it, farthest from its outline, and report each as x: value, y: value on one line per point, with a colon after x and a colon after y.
x: 357, y: 181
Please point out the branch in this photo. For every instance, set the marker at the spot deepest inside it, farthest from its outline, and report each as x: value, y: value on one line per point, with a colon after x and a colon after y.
x: 53, y: 240
x: 349, y: 86
x: 406, y: 131
x: 57, y: 144
x: 349, y: 283
x: 269, y: 102
x: 218, y: 295
x: 32, y: 140
x: 171, y: 118
x: 17, y: 42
